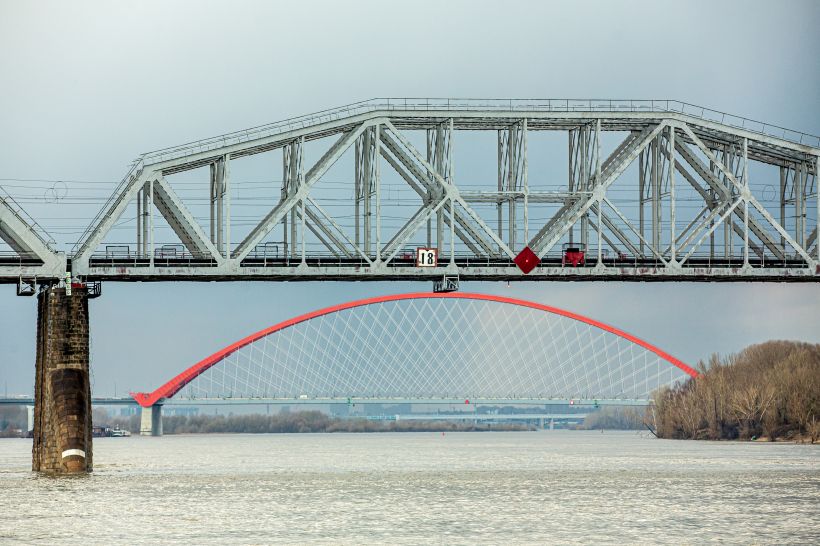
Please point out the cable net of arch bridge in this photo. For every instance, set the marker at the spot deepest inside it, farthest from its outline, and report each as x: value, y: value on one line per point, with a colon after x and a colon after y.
x: 438, y: 348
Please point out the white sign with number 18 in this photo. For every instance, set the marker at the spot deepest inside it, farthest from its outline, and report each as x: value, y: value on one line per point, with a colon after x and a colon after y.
x: 426, y: 257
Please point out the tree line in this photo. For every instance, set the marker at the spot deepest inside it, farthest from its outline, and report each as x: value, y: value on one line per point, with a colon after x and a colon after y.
x: 302, y: 421
x: 769, y: 390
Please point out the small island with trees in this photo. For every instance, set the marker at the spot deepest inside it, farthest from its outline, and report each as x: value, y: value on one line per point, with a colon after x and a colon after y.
x: 768, y: 391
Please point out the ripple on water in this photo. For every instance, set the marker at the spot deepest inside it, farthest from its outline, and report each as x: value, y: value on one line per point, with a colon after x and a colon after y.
x: 550, y: 487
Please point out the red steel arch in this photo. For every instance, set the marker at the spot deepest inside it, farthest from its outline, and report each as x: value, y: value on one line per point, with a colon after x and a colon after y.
x: 173, y: 386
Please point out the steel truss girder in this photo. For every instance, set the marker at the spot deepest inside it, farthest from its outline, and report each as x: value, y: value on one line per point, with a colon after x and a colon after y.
x: 378, y: 136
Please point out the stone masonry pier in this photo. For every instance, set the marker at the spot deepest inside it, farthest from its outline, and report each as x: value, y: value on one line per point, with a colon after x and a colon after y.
x: 62, y: 392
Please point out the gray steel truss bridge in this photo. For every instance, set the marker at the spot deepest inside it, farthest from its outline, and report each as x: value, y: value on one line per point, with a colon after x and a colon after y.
x: 435, y: 189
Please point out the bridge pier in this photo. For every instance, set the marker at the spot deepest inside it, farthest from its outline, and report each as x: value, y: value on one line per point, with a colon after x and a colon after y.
x: 62, y: 392
x: 151, y: 421
x: 29, y: 419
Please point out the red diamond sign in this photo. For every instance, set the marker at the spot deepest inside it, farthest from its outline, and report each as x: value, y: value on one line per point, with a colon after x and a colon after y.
x: 527, y: 260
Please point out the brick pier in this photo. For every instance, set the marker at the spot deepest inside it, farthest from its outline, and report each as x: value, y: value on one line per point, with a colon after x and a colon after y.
x: 62, y: 393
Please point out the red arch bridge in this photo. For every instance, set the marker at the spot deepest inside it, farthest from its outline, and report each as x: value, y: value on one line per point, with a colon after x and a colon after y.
x: 435, y: 348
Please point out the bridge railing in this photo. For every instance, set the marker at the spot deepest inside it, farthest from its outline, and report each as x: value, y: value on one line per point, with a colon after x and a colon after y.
x: 473, y: 105
x: 276, y: 255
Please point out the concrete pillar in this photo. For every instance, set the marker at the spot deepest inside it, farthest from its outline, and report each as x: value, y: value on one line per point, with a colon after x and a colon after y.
x: 151, y: 421
x: 62, y: 393
x: 29, y: 418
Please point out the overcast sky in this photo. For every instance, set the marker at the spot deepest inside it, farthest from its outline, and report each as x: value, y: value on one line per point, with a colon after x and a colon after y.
x: 87, y: 86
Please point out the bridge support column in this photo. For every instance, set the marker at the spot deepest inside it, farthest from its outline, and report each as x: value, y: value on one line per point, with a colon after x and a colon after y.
x: 62, y: 392
x: 29, y: 419
x: 151, y: 421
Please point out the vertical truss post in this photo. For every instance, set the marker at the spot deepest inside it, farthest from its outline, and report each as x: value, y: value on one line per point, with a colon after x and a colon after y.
x: 367, y: 139
x: 212, y: 201
x: 452, y: 231
x: 745, y: 202
x: 226, y: 176
x: 712, y: 204
x: 282, y: 196
x: 525, y: 180
x: 672, y: 234
x: 598, y: 181
x: 439, y: 151
x: 641, y: 199
x: 817, y: 204
x: 450, y: 180
x: 451, y: 168
x: 298, y: 174
x: 293, y: 249
x: 800, y: 203
x: 570, y: 181
x: 139, y: 222
x: 357, y: 189
x: 151, y: 221
x: 583, y: 144
x: 728, y: 159
x: 438, y: 158
x: 655, y: 175
x: 512, y: 179
x: 502, y: 169
x: 377, y: 189
x: 292, y: 179
x: 145, y: 213
x: 783, y: 178
x: 303, y: 220
x: 220, y: 204
x: 429, y: 141
x: 513, y: 183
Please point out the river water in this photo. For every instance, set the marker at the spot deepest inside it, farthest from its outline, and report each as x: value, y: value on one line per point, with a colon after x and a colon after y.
x: 417, y: 488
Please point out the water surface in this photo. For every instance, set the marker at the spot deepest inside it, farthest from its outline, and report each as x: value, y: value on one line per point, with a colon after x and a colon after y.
x: 411, y: 488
